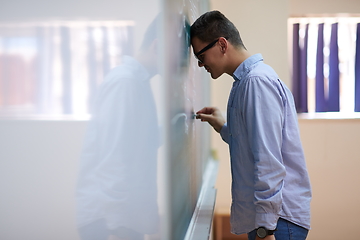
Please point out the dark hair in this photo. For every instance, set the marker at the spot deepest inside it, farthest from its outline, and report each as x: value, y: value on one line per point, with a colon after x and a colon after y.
x: 212, y: 25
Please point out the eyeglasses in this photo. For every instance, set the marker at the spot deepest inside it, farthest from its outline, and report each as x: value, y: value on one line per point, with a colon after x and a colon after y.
x: 210, y: 45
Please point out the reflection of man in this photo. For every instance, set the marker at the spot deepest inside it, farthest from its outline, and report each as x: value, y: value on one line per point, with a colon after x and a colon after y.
x: 116, y: 192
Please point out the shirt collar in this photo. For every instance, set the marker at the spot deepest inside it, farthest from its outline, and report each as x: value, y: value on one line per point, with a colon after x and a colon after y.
x: 244, y: 68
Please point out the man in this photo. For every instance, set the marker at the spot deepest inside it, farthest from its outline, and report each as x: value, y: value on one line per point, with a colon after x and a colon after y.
x: 270, y: 185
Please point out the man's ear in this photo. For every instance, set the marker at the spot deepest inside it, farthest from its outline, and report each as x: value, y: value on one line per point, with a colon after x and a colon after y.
x: 223, y: 44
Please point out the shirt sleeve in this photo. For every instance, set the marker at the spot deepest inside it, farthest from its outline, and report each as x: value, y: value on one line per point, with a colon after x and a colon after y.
x: 263, y: 116
x: 224, y: 132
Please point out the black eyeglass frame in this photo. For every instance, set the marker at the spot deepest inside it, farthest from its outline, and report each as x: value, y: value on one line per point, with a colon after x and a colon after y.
x: 207, y: 47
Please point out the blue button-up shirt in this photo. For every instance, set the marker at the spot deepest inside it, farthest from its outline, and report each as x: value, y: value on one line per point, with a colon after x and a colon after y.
x: 269, y: 175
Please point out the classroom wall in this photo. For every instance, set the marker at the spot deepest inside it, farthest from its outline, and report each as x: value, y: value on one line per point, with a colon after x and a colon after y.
x: 305, y: 7
x: 331, y: 146
x: 39, y: 165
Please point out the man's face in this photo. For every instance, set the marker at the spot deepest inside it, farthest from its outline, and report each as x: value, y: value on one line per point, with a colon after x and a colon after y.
x: 208, y: 55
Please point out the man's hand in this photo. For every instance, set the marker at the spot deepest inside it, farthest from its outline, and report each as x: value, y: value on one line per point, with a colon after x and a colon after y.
x: 213, y: 116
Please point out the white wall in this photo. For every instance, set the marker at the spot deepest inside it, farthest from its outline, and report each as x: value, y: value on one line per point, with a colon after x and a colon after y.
x: 305, y: 7
x: 332, y: 152
x: 37, y: 177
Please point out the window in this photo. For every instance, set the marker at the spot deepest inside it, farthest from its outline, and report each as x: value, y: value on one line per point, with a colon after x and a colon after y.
x: 326, y: 64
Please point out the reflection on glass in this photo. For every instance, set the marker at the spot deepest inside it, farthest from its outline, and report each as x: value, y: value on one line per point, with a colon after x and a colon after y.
x: 129, y: 183
x: 117, y: 183
x: 51, y: 68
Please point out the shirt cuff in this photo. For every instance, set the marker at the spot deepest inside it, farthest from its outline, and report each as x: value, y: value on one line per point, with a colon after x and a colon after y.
x: 267, y: 220
x: 224, y: 132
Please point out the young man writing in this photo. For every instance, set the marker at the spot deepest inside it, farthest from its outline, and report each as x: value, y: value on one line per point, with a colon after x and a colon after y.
x: 270, y: 185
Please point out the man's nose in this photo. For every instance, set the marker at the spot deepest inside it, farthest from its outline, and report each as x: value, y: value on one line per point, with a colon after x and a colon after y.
x: 200, y: 64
